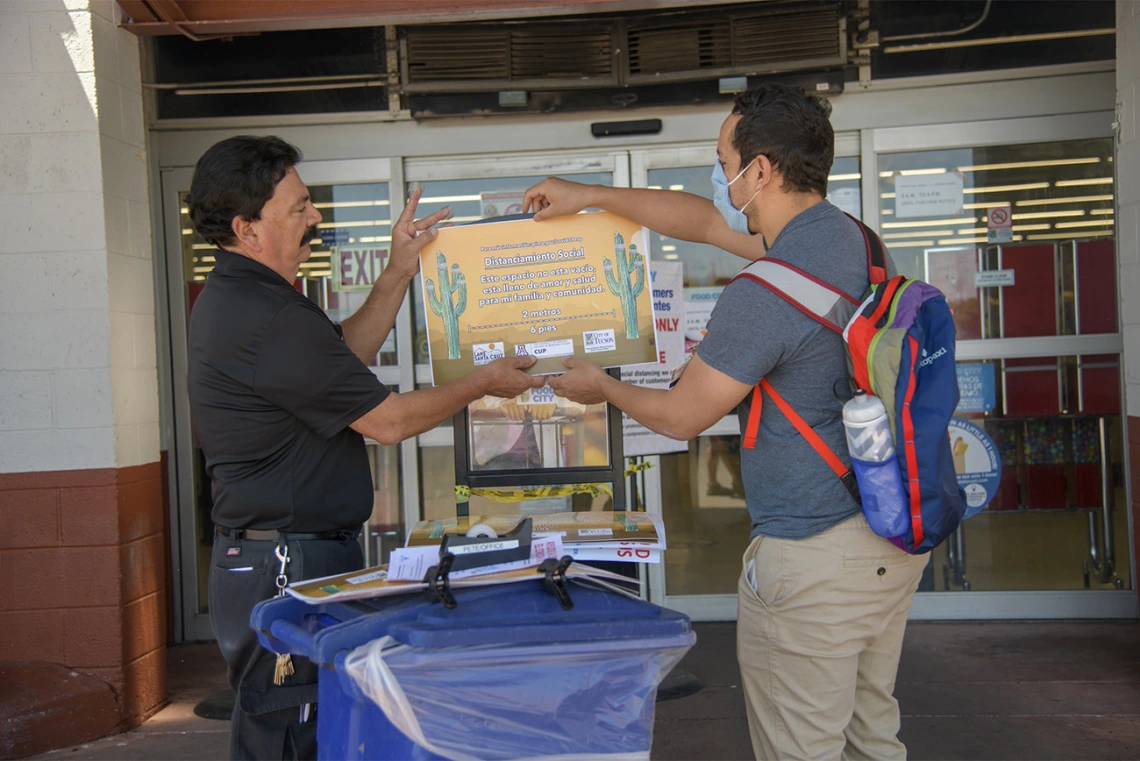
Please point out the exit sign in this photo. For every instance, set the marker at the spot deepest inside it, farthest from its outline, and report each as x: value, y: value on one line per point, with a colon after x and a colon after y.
x: 357, y: 268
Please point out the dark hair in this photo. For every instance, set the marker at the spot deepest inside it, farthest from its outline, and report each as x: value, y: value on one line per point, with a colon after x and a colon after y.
x: 234, y: 178
x: 791, y: 127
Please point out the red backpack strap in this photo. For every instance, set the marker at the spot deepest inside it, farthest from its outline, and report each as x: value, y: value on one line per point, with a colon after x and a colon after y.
x: 845, y: 474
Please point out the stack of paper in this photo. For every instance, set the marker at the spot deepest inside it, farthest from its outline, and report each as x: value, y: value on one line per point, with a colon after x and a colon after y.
x: 374, y: 582
x: 621, y: 536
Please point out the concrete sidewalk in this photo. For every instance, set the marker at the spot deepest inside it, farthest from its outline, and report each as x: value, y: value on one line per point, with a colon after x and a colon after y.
x: 968, y: 691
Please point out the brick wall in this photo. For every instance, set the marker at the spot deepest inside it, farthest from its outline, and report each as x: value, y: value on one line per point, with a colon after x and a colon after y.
x: 85, y: 580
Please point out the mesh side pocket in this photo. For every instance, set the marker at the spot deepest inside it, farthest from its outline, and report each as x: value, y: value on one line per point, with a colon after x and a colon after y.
x: 885, y: 501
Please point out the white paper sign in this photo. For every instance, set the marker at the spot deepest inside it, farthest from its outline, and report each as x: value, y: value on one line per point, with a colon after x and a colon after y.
x: 669, y: 312
x: 928, y: 195
x: 699, y: 304
x: 993, y: 278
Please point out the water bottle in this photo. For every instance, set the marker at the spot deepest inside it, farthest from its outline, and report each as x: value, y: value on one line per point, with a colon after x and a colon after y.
x: 868, y: 430
x: 874, y: 460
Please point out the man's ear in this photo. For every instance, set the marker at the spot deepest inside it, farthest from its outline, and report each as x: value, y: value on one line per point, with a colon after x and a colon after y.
x: 245, y: 233
x: 766, y: 170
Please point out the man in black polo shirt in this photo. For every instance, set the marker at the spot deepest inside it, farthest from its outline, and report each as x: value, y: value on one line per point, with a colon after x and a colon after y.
x: 281, y: 400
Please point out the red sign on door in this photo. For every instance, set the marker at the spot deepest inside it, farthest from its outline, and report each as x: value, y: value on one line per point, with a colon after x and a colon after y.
x: 357, y: 268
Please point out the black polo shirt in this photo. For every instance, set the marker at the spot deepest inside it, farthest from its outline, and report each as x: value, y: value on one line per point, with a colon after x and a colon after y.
x: 273, y: 389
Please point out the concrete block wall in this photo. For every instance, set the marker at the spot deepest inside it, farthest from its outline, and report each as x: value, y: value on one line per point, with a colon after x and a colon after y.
x: 81, y: 494
x: 1128, y: 229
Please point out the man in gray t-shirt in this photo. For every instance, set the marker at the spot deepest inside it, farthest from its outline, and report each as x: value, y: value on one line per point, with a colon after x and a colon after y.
x: 755, y: 334
x: 822, y: 600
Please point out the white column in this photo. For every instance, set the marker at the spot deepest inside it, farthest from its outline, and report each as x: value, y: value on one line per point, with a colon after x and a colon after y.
x: 78, y: 386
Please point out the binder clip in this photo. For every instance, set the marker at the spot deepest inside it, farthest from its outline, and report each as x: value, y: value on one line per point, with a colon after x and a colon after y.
x: 438, y: 583
x: 555, y: 579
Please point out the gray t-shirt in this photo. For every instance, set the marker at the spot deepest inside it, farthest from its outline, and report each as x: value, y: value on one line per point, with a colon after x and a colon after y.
x: 754, y: 334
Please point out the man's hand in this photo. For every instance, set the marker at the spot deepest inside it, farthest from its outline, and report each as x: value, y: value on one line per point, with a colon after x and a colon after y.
x: 582, y: 383
x: 506, y: 378
x: 555, y: 197
x: 409, y: 235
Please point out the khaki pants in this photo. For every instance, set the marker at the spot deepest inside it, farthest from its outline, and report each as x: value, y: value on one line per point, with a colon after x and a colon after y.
x: 819, y: 633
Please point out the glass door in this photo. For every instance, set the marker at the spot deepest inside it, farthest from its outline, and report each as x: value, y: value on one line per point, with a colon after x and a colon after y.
x: 701, y: 492
x: 1035, y: 306
x: 354, y: 198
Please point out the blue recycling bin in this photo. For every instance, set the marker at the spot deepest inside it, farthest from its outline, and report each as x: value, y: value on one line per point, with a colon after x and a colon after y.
x: 506, y: 674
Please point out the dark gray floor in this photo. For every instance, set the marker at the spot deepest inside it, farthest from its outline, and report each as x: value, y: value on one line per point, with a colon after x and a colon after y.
x: 967, y: 691
x: 984, y: 692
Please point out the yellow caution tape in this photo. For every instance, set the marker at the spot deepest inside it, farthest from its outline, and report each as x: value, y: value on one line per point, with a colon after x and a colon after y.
x: 638, y: 467
x: 464, y: 493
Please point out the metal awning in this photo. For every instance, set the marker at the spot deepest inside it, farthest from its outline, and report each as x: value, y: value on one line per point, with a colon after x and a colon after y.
x: 205, y: 19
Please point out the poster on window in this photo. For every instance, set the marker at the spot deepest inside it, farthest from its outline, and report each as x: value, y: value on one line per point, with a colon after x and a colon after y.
x: 577, y: 286
x: 669, y: 313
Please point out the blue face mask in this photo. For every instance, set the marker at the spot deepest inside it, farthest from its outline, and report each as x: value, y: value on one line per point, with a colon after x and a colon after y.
x: 735, y: 217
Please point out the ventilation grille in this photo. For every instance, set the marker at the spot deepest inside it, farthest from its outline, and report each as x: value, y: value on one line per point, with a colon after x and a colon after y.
x: 506, y: 53
x: 776, y: 37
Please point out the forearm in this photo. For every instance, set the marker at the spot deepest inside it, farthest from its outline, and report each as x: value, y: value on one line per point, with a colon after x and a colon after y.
x: 675, y: 214
x: 365, y: 331
x: 402, y: 416
x: 649, y: 406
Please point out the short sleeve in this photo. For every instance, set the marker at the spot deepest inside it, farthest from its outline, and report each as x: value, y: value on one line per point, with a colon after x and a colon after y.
x: 747, y: 334
x: 306, y: 368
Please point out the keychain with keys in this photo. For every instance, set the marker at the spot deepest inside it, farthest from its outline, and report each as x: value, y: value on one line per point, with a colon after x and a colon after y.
x: 284, y: 665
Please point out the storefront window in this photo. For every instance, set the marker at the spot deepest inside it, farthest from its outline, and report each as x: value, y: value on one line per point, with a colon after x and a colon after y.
x: 1057, y: 192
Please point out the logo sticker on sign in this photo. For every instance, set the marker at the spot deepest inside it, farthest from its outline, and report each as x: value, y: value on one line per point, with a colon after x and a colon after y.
x: 484, y: 353
x: 599, y: 340
x: 563, y: 347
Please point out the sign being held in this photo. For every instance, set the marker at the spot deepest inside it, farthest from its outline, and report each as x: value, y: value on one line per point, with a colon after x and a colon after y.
x: 573, y: 286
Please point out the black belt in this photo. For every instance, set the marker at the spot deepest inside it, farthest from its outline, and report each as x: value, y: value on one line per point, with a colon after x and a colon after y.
x: 258, y: 535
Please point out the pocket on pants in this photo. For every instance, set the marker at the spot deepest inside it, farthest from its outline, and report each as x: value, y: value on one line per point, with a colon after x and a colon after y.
x: 761, y: 577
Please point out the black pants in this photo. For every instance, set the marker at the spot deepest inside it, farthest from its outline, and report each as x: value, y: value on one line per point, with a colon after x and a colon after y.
x: 266, y: 716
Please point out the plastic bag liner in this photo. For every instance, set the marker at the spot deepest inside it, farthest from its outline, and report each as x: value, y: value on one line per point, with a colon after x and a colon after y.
x: 591, y: 700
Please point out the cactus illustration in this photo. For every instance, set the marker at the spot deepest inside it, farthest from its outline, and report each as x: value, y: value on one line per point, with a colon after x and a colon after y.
x: 442, y: 304
x: 620, y: 285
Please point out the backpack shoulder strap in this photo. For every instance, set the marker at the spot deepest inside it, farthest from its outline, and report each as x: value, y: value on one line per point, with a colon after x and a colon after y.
x: 843, y: 473
x: 876, y: 253
x: 815, y: 298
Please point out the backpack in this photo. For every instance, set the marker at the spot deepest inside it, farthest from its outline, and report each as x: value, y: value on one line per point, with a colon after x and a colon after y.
x: 900, y: 347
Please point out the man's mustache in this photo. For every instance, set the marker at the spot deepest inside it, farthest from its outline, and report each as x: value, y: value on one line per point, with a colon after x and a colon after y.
x: 310, y: 234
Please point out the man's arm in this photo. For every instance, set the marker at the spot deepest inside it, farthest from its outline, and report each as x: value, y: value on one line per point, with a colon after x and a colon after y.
x: 366, y: 329
x: 401, y: 416
x: 672, y: 213
x: 701, y: 397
